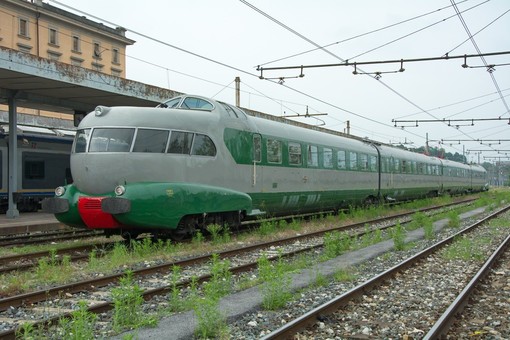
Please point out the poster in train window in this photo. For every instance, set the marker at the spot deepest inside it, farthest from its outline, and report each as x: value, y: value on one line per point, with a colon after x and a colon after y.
x: 295, y: 154
x: 274, y: 151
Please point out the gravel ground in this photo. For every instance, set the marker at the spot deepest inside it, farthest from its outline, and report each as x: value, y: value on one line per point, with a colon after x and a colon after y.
x: 248, y: 321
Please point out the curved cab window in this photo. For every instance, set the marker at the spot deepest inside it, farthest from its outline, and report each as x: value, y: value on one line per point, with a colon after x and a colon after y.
x: 148, y: 140
x: 203, y: 146
x: 180, y: 142
x: 80, y: 141
x: 111, y: 140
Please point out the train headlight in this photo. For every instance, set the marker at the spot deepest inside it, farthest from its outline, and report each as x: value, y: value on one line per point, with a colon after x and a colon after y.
x: 101, y: 110
x: 60, y: 191
x: 119, y: 190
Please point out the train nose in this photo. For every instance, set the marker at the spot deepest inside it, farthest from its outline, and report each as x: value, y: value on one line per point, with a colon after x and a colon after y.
x: 92, y: 214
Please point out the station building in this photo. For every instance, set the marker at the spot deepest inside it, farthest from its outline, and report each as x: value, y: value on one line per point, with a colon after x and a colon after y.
x: 49, y: 32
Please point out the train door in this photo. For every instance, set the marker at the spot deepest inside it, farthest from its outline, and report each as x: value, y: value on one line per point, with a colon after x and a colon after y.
x: 257, y: 169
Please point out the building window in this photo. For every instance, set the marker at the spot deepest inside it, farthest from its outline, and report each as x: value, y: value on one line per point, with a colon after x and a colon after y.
x: 76, y: 44
x: 115, y: 56
x: 53, y: 36
x: 23, y: 27
x: 97, y: 50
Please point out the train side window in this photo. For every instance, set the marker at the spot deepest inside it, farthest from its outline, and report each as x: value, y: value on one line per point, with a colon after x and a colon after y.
x: 1, y: 167
x: 180, y: 142
x: 274, y: 151
x: 372, y: 163
x: 405, y: 167
x: 313, y: 155
x: 80, y: 141
x: 396, y: 165
x: 295, y: 155
x: 353, y: 160
x: 34, y: 169
x: 341, y: 159
x: 111, y: 140
x: 364, y: 161
x: 328, y: 158
x: 257, y: 148
x: 149, y: 140
x: 203, y: 146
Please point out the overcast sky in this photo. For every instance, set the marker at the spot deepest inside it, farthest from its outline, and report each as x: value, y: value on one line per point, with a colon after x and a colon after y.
x: 236, y: 36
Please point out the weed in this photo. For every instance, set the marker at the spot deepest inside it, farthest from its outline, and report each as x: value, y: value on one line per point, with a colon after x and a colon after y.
x: 276, y: 287
x: 127, y: 302
x: 453, y: 219
x: 27, y: 331
x: 175, y: 304
x: 215, y: 231
x: 211, y: 322
x: 344, y: 275
x: 198, y: 238
x: 221, y: 277
x: 80, y: 326
x: 398, y: 234
x: 295, y: 225
x: 465, y: 249
x: 267, y: 228
x: 320, y: 279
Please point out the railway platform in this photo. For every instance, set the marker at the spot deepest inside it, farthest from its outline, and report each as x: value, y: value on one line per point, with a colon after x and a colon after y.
x: 27, y: 223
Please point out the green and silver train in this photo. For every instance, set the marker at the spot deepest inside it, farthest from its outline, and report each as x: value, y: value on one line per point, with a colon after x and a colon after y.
x: 193, y: 161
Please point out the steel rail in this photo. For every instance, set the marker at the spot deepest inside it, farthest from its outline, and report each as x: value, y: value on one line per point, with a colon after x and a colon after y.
x: 443, y: 324
x: 69, y: 250
x: 309, y: 318
x: 38, y: 296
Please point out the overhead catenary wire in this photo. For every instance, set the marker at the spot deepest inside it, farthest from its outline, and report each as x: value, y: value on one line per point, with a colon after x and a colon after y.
x: 471, y: 37
x: 359, y: 35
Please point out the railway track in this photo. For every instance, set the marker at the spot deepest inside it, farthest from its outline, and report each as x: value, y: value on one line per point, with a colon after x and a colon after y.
x: 405, y: 300
x: 11, y: 304
x: 27, y: 261
x: 45, y: 237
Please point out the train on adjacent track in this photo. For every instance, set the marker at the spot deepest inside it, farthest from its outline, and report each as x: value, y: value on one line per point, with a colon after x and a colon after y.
x: 194, y: 161
x: 43, y: 163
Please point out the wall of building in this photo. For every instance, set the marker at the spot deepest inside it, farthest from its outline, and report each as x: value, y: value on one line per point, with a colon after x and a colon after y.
x: 49, y: 32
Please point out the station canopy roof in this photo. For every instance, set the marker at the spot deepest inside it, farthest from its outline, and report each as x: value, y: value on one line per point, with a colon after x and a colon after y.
x: 54, y: 86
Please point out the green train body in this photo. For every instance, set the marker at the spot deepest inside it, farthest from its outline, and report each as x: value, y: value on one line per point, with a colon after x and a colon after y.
x: 193, y: 161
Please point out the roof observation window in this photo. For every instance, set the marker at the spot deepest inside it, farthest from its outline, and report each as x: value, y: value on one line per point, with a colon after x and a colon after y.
x: 196, y: 103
